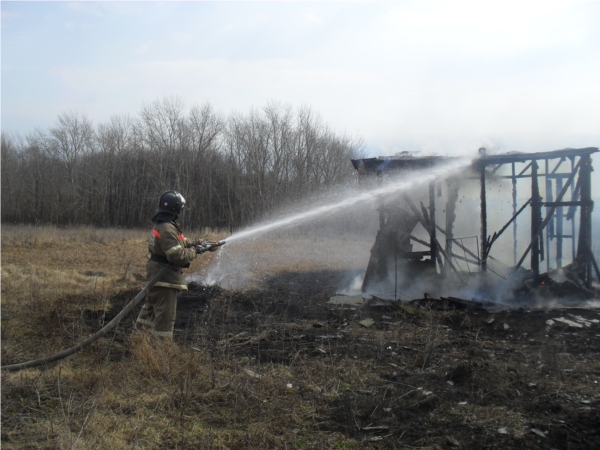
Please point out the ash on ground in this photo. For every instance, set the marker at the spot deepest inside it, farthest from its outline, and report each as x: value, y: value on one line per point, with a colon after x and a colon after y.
x: 432, y: 373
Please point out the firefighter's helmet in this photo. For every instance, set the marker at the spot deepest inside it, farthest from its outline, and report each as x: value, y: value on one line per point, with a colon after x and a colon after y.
x: 171, y: 202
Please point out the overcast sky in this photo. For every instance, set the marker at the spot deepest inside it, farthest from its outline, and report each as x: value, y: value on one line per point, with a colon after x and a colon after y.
x: 431, y: 76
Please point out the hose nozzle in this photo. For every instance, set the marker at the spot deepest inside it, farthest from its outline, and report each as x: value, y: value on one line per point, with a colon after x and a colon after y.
x: 209, y: 246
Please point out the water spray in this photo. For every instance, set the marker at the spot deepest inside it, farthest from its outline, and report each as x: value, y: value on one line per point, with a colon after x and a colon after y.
x: 415, y: 179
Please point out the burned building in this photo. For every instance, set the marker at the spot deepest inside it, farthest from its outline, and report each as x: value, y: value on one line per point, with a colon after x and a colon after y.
x: 550, y: 197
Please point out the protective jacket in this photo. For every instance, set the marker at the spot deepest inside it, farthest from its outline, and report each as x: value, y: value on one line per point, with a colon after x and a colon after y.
x: 168, y: 244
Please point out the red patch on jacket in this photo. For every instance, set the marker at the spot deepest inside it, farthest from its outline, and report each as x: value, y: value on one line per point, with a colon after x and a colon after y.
x: 156, y: 233
x: 181, y: 237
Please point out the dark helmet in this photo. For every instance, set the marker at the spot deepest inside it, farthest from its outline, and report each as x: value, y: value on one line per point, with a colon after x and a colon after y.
x: 171, y: 202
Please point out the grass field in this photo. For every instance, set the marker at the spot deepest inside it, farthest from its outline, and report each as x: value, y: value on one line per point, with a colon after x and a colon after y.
x: 134, y: 391
x: 50, y: 276
x: 265, y: 362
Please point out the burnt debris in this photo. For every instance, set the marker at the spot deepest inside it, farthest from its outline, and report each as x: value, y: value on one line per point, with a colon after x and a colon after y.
x: 557, y: 209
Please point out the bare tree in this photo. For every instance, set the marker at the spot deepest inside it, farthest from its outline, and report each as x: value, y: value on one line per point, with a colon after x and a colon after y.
x: 233, y: 170
x: 71, y: 138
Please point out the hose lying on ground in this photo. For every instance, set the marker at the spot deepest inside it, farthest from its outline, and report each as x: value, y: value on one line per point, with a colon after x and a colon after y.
x: 98, y: 334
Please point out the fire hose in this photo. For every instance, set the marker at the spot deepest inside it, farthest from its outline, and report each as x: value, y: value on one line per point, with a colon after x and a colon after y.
x: 98, y: 334
x: 204, y: 247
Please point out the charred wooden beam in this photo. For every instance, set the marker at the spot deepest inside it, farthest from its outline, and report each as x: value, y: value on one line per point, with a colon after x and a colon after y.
x: 585, y: 225
x: 536, y: 213
x: 503, y: 229
x: 483, y: 211
x: 577, y: 203
x: 550, y: 228
x: 451, y: 200
x: 549, y: 214
x: 514, y: 205
x: 508, y: 177
x: 593, y: 259
x: 412, y: 238
x: 522, y: 172
x: 425, y: 214
x: 416, y: 212
x: 571, y: 210
x: 432, y: 236
x: 563, y: 159
x: 522, y: 157
x: 462, y: 258
x: 559, y: 228
x: 574, y: 196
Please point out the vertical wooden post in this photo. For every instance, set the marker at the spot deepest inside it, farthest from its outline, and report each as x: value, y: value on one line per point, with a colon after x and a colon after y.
x: 483, y: 220
x: 573, y: 226
x: 514, y: 204
x: 585, y: 225
x: 535, y: 222
x: 432, y: 233
x: 559, y: 227
x: 550, y: 226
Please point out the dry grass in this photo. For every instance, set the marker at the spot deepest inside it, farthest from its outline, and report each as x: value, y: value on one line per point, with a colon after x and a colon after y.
x: 51, y: 275
x: 307, y: 392
x: 171, y: 397
x: 160, y: 395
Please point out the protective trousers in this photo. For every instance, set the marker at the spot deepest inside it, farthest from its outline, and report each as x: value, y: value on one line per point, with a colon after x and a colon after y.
x: 158, y: 313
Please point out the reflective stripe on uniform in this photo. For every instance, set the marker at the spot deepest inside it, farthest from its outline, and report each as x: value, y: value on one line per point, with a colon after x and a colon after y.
x: 164, y: 333
x: 145, y: 322
x: 182, y: 287
x: 173, y: 249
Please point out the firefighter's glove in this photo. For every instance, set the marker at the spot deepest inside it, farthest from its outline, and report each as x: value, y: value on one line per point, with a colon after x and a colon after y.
x: 193, y: 242
x: 201, y: 249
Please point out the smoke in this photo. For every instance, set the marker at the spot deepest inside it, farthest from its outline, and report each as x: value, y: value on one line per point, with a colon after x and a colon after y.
x: 399, y: 184
x: 333, y: 232
x: 332, y: 236
x: 354, y: 288
x: 332, y: 256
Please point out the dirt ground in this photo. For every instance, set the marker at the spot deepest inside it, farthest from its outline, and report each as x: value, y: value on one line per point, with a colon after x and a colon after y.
x: 277, y: 366
x: 423, y: 375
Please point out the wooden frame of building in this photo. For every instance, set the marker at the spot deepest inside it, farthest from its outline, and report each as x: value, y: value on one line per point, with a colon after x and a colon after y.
x: 566, y: 175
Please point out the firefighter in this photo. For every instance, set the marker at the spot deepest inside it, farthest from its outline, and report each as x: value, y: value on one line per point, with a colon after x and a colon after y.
x: 167, y: 245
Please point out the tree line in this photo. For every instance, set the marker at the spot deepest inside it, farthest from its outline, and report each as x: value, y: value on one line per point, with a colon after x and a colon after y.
x: 232, y: 170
